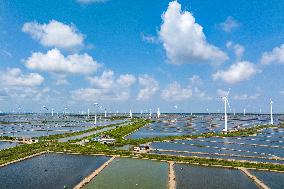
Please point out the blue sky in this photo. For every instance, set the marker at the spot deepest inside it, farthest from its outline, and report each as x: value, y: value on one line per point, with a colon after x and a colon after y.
x: 141, y: 55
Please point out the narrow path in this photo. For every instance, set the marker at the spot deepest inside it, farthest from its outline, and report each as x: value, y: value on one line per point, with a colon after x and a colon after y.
x: 66, y: 139
x: 258, y: 182
x: 95, y: 173
x: 172, y: 178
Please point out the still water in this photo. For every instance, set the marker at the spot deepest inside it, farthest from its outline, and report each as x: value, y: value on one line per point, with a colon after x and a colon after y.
x: 271, y: 179
x: 49, y: 171
x: 197, y: 177
x: 125, y: 173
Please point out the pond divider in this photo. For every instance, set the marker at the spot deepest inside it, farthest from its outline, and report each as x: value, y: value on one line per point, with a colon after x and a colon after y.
x: 172, y: 178
x: 258, y: 182
x: 95, y: 173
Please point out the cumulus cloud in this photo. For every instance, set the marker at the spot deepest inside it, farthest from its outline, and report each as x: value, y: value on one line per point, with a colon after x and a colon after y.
x: 91, y: 1
x: 275, y: 56
x: 54, y: 61
x: 55, y: 34
x: 237, y: 48
x: 15, y: 77
x: 240, y: 71
x: 222, y: 93
x: 229, y: 24
x: 126, y: 80
x: 174, y: 92
x: 106, y: 87
x: 149, y: 86
x: 184, y: 40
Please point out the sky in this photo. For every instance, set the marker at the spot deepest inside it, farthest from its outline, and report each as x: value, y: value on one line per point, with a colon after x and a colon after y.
x: 180, y: 56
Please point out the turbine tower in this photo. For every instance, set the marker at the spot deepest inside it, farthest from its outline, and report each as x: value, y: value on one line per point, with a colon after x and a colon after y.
x: 226, y: 102
x: 105, y: 113
x: 244, y: 112
x: 158, y: 113
x: 88, y: 113
x: 52, y: 111
x: 271, y: 114
x: 95, y: 105
x: 130, y: 114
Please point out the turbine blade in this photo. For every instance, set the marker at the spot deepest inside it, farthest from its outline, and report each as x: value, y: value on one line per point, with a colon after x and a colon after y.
x: 228, y: 104
x: 228, y: 92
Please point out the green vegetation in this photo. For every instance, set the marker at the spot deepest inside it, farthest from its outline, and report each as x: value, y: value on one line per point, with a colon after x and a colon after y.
x: 63, y: 135
x: 21, y: 151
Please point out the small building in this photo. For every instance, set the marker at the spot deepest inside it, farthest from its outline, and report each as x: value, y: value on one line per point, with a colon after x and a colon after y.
x: 104, y: 139
x: 28, y: 140
x: 141, y: 149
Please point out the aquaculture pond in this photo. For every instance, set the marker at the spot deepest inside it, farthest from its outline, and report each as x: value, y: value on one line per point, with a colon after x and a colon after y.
x: 125, y: 173
x: 50, y: 171
x: 36, y: 125
x: 189, y: 176
x: 267, y: 146
x: 273, y: 180
x: 191, y: 125
x: 5, y: 145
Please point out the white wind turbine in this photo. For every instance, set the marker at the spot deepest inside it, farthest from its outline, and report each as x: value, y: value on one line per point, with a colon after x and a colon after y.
x: 271, y: 114
x: 130, y: 113
x: 226, y: 102
x: 95, y: 105
x: 158, y: 113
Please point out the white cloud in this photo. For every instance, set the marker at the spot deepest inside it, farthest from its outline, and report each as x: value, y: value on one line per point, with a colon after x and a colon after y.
x: 275, y: 56
x: 184, y: 40
x: 149, y: 86
x: 199, y: 94
x: 221, y: 93
x: 174, y: 92
x: 237, y: 72
x: 15, y: 77
x: 55, y: 34
x: 237, y: 48
x: 149, y: 38
x: 126, y: 80
x: 105, y: 81
x: 195, y: 80
x: 54, y: 61
x: 229, y: 24
x: 246, y: 97
x: 91, y: 1
x: 60, y: 79
x: 106, y: 87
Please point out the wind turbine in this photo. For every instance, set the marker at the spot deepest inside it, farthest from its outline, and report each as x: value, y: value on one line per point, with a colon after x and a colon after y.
x: 226, y: 102
x: 88, y: 113
x: 244, y: 112
x: 105, y: 113
x: 158, y: 113
x: 130, y: 113
x: 96, y: 104
x: 52, y: 111
x: 271, y: 114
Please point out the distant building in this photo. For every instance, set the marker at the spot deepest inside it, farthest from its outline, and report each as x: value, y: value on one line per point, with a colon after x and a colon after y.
x: 104, y: 139
x: 28, y: 140
x: 141, y: 149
